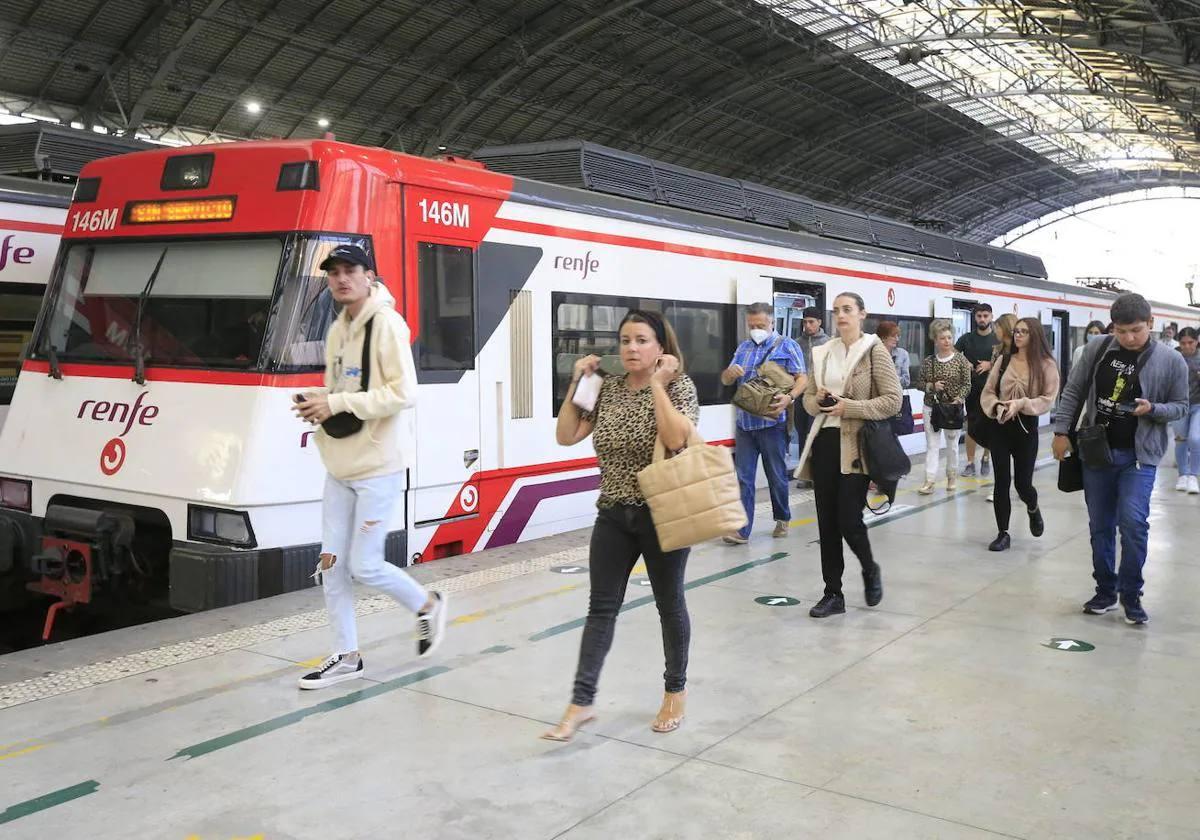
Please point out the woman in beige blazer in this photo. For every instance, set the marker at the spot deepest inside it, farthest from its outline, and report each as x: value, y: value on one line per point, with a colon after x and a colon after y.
x: 853, y: 379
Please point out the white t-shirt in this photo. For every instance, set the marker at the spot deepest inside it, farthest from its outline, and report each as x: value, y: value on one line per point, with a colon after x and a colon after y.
x: 835, y: 374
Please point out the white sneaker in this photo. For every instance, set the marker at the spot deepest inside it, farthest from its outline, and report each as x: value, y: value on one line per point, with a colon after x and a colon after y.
x: 1181, y: 484
x: 1193, y: 486
x: 991, y: 497
x: 431, y: 626
x: 336, y: 669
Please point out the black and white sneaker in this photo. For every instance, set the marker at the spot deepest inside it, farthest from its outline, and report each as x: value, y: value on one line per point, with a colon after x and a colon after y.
x: 431, y: 626
x: 1100, y: 604
x: 334, y: 670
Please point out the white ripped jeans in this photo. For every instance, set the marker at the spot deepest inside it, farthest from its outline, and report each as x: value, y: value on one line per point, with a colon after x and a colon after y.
x: 933, y: 443
x: 355, y: 517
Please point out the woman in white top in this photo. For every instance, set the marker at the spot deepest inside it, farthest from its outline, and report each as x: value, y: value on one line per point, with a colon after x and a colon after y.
x: 1094, y: 330
x: 853, y: 380
x: 946, y: 378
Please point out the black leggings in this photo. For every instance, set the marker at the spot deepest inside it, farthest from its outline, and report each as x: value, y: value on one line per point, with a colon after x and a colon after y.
x: 1014, y: 452
x: 621, y: 535
x: 840, y: 499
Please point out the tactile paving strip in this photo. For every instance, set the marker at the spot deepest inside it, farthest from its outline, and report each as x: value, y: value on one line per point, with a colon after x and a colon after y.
x: 86, y: 676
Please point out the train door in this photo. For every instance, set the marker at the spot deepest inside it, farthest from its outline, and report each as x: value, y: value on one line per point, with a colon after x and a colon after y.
x: 440, y: 255
x: 791, y: 299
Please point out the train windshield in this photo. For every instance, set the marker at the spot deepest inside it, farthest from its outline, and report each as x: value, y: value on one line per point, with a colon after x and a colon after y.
x: 192, y: 303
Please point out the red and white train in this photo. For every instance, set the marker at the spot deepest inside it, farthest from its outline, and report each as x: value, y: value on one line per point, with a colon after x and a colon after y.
x: 150, y: 438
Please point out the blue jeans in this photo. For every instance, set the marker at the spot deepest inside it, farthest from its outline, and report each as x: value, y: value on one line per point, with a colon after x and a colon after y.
x: 1118, y: 496
x: 772, y: 445
x: 1187, y: 449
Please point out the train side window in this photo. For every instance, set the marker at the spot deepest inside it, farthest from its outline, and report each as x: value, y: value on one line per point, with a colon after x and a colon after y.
x: 446, y: 280
x: 704, y: 335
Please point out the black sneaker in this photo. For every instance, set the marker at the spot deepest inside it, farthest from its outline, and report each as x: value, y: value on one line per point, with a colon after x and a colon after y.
x: 1134, y: 614
x: 1002, y: 542
x: 334, y: 670
x: 827, y: 606
x: 873, y: 585
x: 1100, y: 604
x: 431, y: 626
x: 1037, y: 525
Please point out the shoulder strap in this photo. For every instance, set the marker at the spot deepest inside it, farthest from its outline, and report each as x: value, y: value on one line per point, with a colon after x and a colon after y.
x: 1091, y: 377
x: 366, y: 355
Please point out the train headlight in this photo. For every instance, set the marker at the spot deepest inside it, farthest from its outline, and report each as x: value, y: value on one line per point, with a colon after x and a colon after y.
x: 16, y: 494
x: 224, y: 527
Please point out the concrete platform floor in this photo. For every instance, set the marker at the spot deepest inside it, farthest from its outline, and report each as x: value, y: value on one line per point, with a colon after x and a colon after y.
x: 946, y: 712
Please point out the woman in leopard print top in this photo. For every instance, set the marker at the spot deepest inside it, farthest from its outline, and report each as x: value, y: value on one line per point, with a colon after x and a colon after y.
x: 653, y: 399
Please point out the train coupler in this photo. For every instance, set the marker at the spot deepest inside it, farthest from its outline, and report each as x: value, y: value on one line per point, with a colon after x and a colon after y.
x: 65, y: 567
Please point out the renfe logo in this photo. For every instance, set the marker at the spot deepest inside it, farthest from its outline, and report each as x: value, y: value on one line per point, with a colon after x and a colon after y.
x: 585, y: 265
x: 21, y: 255
x: 118, y: 412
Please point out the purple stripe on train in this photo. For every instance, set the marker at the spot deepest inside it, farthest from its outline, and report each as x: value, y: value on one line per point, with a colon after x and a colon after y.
x: 521, y: 509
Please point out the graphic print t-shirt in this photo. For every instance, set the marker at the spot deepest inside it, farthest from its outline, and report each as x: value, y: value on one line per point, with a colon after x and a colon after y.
x: 1117, y: 383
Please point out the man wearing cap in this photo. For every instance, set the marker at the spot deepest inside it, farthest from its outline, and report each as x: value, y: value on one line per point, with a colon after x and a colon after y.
x: 813, y: 336
x: 369, y: 340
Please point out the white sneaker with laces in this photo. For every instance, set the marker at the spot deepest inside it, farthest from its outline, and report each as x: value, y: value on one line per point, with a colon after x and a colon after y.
x: 431, y: 626
x: 991, y: 497
x: 1181, y: 484
x: 336, y: 669
x: 1193, y: 486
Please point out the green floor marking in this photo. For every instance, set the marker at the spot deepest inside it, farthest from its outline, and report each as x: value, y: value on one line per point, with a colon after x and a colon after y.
x: 776, y: 601
x: 885, y: 519
x: 240, y: 735
x: 49, y: 800
x: 1072, y: 645
x: 496, y: 649
x: 641, y: 602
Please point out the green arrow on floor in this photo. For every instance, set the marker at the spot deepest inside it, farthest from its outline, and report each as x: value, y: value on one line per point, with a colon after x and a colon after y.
x: 776, y: 601
x: 1073, y: 645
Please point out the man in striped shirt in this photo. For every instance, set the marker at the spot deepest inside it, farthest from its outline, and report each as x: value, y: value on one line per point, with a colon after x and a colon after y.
x: 764, y: 436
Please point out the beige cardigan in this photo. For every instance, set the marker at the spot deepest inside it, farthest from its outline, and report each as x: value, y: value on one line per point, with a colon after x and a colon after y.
x: 872, y: 392
x: 1016, y: 385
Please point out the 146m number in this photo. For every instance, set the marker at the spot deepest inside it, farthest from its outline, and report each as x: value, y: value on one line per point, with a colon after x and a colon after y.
x: 448, y: 213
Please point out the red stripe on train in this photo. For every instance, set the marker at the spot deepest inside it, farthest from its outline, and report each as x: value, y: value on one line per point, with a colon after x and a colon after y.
x: 30, y: 227
x: 164, y: 374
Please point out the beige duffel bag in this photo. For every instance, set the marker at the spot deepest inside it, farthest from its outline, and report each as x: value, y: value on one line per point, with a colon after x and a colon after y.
x: 693, y: 496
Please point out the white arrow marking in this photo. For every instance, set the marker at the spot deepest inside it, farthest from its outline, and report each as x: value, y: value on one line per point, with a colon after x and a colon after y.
x: 569, y: 570
x: 1066, y: 644
x: 774, y: 602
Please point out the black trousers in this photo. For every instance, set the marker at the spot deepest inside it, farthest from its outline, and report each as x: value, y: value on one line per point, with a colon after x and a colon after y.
x: 1014, y: 453
x: 840, y: 500
x: 621, y: 535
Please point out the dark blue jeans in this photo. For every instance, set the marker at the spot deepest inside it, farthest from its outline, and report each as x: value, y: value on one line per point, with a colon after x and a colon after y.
x: 1118, y: 496
x: 772, y: 445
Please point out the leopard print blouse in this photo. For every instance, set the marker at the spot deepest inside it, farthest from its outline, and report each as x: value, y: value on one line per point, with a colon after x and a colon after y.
x: 625, y: 432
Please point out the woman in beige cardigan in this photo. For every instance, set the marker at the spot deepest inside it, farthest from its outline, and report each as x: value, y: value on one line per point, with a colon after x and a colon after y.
x: 853, y: 379
x: 1015, y: 400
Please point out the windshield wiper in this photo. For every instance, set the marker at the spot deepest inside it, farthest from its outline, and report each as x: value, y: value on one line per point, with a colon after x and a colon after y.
x: 52, y: 355
x: 139, y: 352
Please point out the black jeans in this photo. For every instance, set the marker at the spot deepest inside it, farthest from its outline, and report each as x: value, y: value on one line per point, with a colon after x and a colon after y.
x: 840, y: 500
x: 1014, y: 452
x: 621, y: 535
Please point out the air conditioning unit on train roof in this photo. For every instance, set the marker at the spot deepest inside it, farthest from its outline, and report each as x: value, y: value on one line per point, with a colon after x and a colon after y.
x: 584, y: 165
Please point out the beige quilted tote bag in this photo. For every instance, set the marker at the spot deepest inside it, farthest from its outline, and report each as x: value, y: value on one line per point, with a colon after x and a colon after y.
x: 693, y: 496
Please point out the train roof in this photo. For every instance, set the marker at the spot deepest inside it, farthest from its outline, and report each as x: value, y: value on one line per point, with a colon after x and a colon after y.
x: 29, y: 191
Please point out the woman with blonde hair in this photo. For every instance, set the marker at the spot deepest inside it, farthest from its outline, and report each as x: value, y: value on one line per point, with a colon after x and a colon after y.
x: 653, y: 399
x: 946, y: 378
x: 1004, y: 331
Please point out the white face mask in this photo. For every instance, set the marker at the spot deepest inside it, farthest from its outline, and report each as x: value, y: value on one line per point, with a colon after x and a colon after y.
x: 759, y: 336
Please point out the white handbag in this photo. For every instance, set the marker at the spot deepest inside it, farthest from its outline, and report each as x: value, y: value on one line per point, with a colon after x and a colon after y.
x: 694, y: 495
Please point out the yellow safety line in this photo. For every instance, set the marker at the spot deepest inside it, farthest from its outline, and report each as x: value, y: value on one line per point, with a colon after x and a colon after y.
x: 25, y: 751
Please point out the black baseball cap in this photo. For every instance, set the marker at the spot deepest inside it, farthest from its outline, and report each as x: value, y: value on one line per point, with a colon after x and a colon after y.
x: 351, y: 254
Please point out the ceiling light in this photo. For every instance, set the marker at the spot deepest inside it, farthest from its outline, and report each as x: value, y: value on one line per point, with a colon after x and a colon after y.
x: 324, y: 123
x: 253, y: 107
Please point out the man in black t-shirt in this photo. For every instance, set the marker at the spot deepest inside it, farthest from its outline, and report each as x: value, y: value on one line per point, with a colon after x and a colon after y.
x: 977, y: 346
x: 1117, y: 392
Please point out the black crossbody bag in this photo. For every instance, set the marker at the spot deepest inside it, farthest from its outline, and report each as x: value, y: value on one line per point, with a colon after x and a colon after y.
x: 1090, y: 445
x: 344, y: 423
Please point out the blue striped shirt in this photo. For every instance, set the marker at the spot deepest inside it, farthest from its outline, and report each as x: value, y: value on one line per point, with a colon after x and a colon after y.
x: 750, y: 355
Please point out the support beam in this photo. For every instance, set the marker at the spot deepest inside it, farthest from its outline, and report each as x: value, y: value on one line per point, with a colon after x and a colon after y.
x: 104, y: 85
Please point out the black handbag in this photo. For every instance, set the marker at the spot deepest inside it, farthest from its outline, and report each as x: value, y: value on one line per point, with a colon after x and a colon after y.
x: 886, y: 462
x: 944, y: 415
x: 984, y: 430
x: 1070, y: 469
x: 344, y: 423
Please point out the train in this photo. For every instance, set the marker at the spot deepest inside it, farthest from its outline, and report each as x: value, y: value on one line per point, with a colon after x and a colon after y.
x: 31, y: 219
x: 150, y: 441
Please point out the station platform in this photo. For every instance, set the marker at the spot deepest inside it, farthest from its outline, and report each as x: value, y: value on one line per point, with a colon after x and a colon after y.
x: 977, y: 701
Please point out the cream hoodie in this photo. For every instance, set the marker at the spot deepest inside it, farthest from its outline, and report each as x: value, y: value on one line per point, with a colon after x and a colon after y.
x: 376, y: 448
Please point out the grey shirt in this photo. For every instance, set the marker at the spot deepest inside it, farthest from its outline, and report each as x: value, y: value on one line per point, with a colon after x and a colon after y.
x: 807, y: 343
x: 1163, y: 378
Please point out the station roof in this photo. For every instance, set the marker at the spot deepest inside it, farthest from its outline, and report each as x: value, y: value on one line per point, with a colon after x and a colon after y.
x: 967, y: 117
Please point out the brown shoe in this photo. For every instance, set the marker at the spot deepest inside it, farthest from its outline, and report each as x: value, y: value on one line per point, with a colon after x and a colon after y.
x: 671, y: 714
x: 781, y: 529
x: 573, y: 718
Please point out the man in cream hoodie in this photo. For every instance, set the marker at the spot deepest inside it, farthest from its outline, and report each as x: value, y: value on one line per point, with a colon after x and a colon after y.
x: 366, y: 467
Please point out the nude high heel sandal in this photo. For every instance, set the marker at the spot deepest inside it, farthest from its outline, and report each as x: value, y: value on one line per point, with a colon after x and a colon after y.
x: 670, y: 716
x: 573, y: 718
